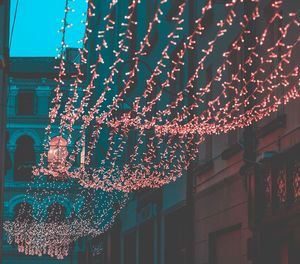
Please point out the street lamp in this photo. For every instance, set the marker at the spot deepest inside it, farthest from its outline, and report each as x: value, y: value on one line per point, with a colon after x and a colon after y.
x: 57, y: 155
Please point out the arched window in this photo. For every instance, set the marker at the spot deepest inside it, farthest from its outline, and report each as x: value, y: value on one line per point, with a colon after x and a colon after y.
x: 24, y: 159
x: 23, y: 212
x: 56, y: 213
x: 26, y: 103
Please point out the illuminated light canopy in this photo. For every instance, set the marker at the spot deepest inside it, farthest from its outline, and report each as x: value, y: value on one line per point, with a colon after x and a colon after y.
x: 160, y: 134
x: 169, y: 131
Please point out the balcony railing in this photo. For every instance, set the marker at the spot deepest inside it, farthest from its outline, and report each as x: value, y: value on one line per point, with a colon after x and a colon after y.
x: 279, y: 184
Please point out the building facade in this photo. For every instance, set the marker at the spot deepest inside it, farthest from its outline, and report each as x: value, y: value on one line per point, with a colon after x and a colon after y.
x: 30, y: 91
x: 246, y: 190
x: 239, y: 201
x: 4, y: 53
x: 242, y: 192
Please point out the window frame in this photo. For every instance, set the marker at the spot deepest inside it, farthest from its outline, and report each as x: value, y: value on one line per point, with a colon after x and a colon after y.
x: 34, y: 103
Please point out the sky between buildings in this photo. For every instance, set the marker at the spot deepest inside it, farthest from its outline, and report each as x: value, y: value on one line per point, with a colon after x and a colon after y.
x: 37, y: 22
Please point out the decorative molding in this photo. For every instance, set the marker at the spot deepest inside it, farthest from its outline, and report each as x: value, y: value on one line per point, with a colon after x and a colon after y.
x: 231, y: 151
x: 43, y: 91
x: 273, y: 125
x: 20, y: 199
x: 62, y: 200
x: 28, y: 132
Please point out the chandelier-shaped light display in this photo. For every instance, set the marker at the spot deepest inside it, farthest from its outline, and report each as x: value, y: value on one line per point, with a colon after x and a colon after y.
x: 62, y: 212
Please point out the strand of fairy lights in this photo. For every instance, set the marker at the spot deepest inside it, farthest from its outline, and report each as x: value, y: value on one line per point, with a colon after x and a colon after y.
x: 189, y: 85
x: 112, y: 143
x: 166, y: 112
x: 56, y: 102
x: 259, y: 88
x: 291, y: 94
x: 61, y: 73
x: 171, y: 76
x: 134, y: 155
x: 177, y: 19
x: 122, y: 47
x: 136, y: 148
x: 229, y: 85
x: 69, y: 112
x: 85, y: 99
x: 136, y: 59
x: 273, y: 76
x: 149, y: 30
x: 89, y: 117
x: 199, y: 29
x: 77, y: 77
x: 67, y: 118
x: 131, y: 75
x: 188, y: 88
x: 219, y: 34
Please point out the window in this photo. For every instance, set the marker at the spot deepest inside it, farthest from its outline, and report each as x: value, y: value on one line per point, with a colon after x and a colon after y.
x: 146, y: 243
x: 56, y: 213
x: 225, y: 246
x: 115, y: 248
x: 174, y: 9
x: 26, y: 103
x: 24, y: 159
x: 23, y: 212
x: 73, y: 55
x: 208, y: 19
x: 130, y: 248
x: 175, y: 237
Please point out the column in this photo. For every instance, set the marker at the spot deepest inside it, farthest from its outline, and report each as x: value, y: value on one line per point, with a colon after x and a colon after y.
x: 12, y: 101
x: 43, y: 97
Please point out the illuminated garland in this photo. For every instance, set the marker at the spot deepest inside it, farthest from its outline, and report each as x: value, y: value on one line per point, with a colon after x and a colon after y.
x: 169, y: 138
x: 113, y: 68
x: 183, y: 131
x: 60, y: 82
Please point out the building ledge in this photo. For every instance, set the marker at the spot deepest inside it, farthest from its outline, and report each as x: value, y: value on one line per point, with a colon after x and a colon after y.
x: 204, y: 167
x: 231, y: 151
x: 278, y: 122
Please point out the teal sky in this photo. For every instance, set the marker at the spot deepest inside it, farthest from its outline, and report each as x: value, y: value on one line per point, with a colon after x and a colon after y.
x: 36, y: 25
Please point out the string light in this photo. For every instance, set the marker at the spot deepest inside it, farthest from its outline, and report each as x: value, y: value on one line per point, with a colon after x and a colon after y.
x: 169, y: 138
